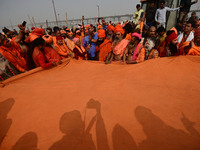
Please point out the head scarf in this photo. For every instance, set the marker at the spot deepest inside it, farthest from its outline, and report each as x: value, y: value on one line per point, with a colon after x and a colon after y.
x: 170, y: 38
x: 119, y: 28
x: 174, y: 29
x: 101, y: 33
x: 63, y: 32
x: 48, y: 39
x: 135, y: 34
x: 38, y: 31
x: 110, y: 28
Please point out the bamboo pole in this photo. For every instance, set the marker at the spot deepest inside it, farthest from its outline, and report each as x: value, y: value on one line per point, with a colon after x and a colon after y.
x: 34, y: 21
x: 30, y: 21
x: 66, y: 19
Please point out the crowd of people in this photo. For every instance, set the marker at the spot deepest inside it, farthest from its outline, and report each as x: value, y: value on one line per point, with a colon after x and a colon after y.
x: 129, y: 42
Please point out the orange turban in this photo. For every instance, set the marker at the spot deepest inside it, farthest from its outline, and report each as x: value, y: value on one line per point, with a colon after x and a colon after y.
x: 119, y: 28
x: 101, y: 33
x: 110, y: 28
x: 63, y: 32
x: 87, y: 27
x: 48, y: 39
x: 174, y: 29
x: 99, y: 27
x: 38, y: 31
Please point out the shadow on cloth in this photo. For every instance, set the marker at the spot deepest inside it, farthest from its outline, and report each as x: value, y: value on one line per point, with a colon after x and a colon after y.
x: 159, y: 135
x: 5, y: 123
x: 77, y: 136
x: 27, y: 142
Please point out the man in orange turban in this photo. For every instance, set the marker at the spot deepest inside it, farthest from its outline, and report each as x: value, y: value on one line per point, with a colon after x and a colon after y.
x: 110, y: 32
x: 103, y: 47
x: 118, y: 46
x: 37, y: 32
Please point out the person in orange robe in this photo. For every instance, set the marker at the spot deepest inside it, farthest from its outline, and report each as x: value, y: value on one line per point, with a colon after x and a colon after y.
x: 61, y: 47
x: 194, y: 45
x: 103, y: 45
x: 135, y: 50
x: 110, y: 32
x: 119, y: 44
x: 169, y: 47
x: 37, y: 32
x: 36, y: 57
x: 50, y: 53
x: 11, y: 51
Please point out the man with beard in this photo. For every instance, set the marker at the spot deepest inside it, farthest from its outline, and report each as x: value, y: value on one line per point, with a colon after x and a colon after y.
x: 169, y: 46
x: 110, y: 32
x: 61, y: 47
x: 103, y: 45
x: 149, y: 47
x: 186, y: 37
x: 36, y: 55
x: 135, y: 50
x: 90, y: 43
x: 119, y: 44
x: 151, y: 35
x: 194, y: 47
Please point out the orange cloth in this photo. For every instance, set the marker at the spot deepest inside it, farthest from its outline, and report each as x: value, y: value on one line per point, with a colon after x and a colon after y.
x: 141, y: 26
x: 195, y: 50
x: 154, y: 103
x: 182, y: 46
x: 51, y: 54
x: 31, y: 38
x: 128, y: 36
x: 119, y: 28
x: 99, y: 27
x: 104, y: 49
x: 174, y: 29
x: 110, y: 28
x: 39, y: 31
x: 13, y: 56
x: 120, y: 47
x: 101, y: 33
x: 141, y: 55
x: 61, y: 49
x: 48, y: 39
x: 40, y: 60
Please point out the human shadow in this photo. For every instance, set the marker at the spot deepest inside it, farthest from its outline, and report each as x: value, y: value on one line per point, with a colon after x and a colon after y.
x: 27, y: 142
x: 5, y: 123
x: 122, y: 140
x: 160, y: 136
x: 77, y: 136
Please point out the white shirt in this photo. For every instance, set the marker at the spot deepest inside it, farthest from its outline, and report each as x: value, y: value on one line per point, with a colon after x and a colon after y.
x: 189, y: 38
x: 160, y: 15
